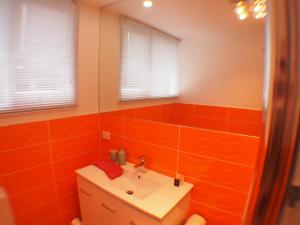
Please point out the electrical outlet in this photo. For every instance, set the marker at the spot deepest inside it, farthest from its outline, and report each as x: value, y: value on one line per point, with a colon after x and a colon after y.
x: 105, y: 135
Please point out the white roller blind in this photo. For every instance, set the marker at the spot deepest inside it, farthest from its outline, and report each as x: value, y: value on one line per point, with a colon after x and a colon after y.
x: 148, y: 62
x: 37, y: 54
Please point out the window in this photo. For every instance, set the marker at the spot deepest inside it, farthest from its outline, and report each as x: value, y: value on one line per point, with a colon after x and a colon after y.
x: 37, y: 54
x: 148, y: 62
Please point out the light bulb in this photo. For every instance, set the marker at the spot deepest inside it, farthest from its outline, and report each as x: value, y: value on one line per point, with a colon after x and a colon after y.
x: 148, y: 4
x: 260, y: 15
x: 259, y: 9
x: 241, y: 9
x: 243, y: 16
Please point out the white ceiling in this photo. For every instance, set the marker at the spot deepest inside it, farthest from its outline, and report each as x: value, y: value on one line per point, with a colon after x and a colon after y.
x: 187, y: 18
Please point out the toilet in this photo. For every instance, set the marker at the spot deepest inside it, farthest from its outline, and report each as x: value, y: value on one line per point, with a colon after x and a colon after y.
x: 196, y: 220
x: 5, y: 210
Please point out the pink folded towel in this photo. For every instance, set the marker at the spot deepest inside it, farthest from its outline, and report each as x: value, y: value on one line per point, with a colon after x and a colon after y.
x: 112, y: 169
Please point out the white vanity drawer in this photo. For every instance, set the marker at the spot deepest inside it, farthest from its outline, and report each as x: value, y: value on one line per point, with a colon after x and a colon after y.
x: 132, y: 216
x: 97, y: 206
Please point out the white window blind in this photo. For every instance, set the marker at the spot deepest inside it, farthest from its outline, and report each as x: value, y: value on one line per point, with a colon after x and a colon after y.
x: 148, y: 62
x: 37, y: 54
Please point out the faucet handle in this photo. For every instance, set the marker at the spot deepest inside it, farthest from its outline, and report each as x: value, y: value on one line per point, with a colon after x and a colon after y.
x: 142, y: 159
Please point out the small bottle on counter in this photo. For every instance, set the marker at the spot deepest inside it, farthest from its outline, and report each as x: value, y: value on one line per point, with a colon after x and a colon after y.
x: 113, y: 155
x: 122, y: 157
x: 179, y: 180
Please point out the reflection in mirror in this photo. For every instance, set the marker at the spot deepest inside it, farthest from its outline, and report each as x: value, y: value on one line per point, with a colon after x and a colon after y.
x: 195, y: 110
x: 217, y: 74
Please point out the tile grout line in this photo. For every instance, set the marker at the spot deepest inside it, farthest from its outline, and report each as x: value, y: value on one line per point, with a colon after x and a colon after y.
x: 156, y: 167
x: 31, y: 189
x: 177, y: 158
x: 75, y: 136
x: 217, y: 185
x: 148, y: 143
x: 53, y: 172
x: 24, y: 170
x: 123, y: 133
x: 42, y: 143
x: 99, y: 136
x: 47, y: 164
x: 23, y: 147
x: 227, y: 119
x: 37, y: 207
x: 224, y: 161
x: 216, y: 208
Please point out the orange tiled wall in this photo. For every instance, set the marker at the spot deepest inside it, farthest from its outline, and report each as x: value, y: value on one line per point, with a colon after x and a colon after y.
x: 243, y: 121
x: 37, y: 163
x: 37, y: 160
x: 220, y: 164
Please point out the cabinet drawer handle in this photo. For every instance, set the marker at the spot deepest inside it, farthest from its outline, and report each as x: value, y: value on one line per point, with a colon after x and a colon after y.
x: 108, y: 208
x: 133, y: 223
x: 85, y: 192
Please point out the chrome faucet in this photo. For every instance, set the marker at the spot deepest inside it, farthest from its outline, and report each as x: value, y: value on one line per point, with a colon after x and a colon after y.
x: 141, y: 164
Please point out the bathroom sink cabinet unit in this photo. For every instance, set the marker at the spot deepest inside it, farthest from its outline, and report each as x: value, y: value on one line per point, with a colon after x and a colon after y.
x: 100, y: 207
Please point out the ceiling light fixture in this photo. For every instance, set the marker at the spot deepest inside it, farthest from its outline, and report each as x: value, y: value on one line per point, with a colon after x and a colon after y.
x: 148, y: 4
x: 243, y: 8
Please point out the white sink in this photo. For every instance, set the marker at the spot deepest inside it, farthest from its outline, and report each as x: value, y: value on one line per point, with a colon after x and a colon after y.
x: 136, y: 183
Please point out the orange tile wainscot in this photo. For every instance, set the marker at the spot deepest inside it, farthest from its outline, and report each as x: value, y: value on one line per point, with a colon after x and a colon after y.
x: 217, y: 154
x: 37, y: 163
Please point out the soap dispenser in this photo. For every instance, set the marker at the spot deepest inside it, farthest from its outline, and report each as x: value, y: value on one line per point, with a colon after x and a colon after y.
x: 122, y: 157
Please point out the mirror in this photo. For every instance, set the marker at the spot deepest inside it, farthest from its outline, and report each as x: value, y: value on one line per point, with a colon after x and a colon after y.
x: 220, y: 62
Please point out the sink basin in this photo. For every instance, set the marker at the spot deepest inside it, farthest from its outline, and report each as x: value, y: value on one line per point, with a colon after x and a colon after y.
x: 135, y: 183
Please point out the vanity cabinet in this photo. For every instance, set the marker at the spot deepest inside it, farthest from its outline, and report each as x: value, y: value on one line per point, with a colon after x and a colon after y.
x: 99, y: 207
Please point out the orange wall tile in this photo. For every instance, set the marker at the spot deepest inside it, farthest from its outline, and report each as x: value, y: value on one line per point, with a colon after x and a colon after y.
x: 245, y: 115
x: 185, y: 120
x: 168, y: 110
x: 219, y: 145
x: 185, y: 109
x: 152, y: 132
x: 78, y: 145
x: 215, y: 216
x: 73, y: 126
x: 69, y: 207
x: 17, y: 159
x: 219, y: 197
x: 38, y: 215
x: 157, y: 156
x: 211, y: 123
x: 229, y: 175
x: 28, y: 200
x: 67, y: 166
x: 22, y: 135
x: 111, y: 123
x: 212, y: 111
x: 19, y: 182
x: 37, y: 163
x: 150, y: 112
x: 241, y: 121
